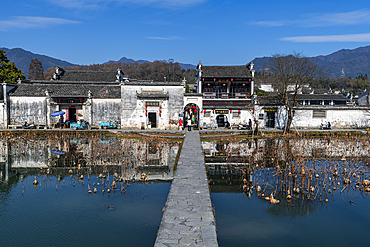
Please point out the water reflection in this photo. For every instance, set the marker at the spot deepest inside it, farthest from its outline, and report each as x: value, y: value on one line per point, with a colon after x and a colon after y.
x: 292, y: 179
x: 84, y: 155
x: 91, y: 189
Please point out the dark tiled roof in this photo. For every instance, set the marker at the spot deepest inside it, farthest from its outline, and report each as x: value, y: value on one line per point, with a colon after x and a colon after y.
x: 85, y: 75
x: 363, y: 94
x: 59, y: 89
x: 226, y: 71
x: 270, y: 100
x: 322, y: 91
x: 153, y: 95
x: 321, y: 97
x: 151, y: 83
x: 278, y: 100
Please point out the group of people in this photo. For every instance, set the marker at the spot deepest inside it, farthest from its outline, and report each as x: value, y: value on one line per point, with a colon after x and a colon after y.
x: 326, y: 126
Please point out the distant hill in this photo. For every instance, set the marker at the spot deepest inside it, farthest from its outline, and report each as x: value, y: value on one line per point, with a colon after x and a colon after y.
x: 353, y: 62
x: 129, y: 60
x: 22, y: 59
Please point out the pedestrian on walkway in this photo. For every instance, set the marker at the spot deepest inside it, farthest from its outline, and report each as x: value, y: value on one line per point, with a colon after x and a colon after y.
x: 189, y: 124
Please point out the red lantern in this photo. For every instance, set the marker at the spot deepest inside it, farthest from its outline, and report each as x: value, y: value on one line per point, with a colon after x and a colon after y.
x: 195, y: 111
x: 239, y: 111
x: 232, y: 79
x: 250, y: 79
x: 231, y: 111
x: 214, y: 79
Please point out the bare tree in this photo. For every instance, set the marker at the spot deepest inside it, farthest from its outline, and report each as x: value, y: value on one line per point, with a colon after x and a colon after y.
x: 292, y: 72
x: 36, y: 71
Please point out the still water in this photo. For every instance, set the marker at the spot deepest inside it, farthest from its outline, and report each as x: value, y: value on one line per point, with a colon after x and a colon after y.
x: 131, y: 179
x: 331, y: 207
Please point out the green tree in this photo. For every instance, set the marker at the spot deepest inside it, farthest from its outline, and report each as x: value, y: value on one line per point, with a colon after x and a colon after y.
x: 8, y: 71
x: 187, y: 89
x: 36, y: 71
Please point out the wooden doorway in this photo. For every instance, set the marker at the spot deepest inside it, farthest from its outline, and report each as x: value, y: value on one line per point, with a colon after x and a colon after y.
x: 152, y: 119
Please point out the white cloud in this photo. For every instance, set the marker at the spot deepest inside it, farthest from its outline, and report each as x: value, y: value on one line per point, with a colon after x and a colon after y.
x: 26, y: 22
x: 338, y: 19
x: 357, y: 17
x: 95, y: 4
x: 165, y: 38
x: 268, y: 23
x: 364, y: 37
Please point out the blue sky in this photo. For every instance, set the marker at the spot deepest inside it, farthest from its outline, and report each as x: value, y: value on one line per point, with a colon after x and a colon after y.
x: 216, y: 32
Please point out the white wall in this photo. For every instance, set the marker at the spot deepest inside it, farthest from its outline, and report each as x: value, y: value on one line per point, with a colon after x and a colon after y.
x: 133, y: 107
x: 339, y: 117
x: 28, y: 109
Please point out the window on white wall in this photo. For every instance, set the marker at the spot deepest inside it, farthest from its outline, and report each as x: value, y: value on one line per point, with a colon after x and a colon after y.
x: 318, y: 114
x: 207, y: 114
x: 236, y: 114
x: 261, y: 116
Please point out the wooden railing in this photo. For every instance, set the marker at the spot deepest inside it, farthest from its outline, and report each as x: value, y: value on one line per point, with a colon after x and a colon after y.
x: 224, y: 95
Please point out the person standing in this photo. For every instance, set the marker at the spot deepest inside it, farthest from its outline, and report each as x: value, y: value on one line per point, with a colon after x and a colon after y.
x: 189, y: 124
x: 181, y: 123
x: 61, y: 121
x: 250, y: 124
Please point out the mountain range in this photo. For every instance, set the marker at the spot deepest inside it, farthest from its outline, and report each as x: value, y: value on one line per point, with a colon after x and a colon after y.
x: 353, y: 62
x: 22, y: 60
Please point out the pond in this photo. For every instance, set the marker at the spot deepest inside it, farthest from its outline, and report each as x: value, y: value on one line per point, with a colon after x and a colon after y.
x: 290, y: 192
x: 83, y: 189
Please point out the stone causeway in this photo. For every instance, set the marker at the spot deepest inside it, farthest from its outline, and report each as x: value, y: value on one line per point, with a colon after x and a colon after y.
x: 188, y: 219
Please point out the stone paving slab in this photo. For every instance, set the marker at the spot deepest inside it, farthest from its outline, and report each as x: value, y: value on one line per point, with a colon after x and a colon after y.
x: 188, y: 219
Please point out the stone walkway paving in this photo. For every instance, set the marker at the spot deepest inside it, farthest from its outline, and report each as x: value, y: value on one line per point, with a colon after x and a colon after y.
x: 188, y: 219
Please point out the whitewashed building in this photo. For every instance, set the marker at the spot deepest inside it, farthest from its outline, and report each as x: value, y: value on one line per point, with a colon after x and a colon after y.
x: 313, y: 111
x: 227, y: 95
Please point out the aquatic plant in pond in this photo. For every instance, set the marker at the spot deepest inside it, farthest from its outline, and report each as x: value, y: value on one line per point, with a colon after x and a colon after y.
x: 304, y: 188
x: 83, y: 189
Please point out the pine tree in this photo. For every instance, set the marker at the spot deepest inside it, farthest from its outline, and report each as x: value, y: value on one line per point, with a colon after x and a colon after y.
x: 8, y: 71
x: 36, y: 71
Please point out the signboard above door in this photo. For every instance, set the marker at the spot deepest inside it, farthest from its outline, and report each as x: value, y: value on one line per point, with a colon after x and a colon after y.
x: 222, y: 111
